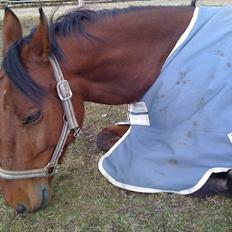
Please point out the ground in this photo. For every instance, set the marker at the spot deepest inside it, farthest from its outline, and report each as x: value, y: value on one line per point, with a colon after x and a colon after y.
x: 84, y: 201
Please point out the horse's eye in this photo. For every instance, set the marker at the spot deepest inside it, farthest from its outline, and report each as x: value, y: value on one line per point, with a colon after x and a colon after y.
x: 32, y: 118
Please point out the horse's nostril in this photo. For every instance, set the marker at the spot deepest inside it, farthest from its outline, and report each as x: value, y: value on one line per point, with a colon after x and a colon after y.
x: 45, y: 197
x: 20, y: 208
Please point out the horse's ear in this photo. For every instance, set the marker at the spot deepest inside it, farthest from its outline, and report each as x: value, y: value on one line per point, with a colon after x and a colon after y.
x: 40, y: 44
x: 12, y: 30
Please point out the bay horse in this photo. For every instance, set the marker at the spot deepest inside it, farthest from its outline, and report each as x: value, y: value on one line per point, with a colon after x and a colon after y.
x: 108, y: 56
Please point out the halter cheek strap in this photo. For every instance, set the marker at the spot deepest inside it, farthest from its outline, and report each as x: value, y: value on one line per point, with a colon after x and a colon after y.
x: 65, y: 94
x: 70, y: 125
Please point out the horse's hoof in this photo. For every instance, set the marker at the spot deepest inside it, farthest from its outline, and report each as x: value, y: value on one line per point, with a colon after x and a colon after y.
x: 106, y: 139
x: 216, y: 184
x: 229, y: 182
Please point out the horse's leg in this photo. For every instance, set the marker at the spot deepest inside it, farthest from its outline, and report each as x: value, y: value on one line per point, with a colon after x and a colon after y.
x: 218, y: 183
x: 110, y: 135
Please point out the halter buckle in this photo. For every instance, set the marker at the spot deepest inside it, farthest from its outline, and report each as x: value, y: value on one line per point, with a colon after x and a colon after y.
x: 63, y: 90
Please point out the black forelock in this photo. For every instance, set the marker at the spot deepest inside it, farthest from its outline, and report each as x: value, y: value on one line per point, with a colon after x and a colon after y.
x: 13, y: 67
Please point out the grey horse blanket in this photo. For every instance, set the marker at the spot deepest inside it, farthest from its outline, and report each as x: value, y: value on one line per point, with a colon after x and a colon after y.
x: 180, y: 130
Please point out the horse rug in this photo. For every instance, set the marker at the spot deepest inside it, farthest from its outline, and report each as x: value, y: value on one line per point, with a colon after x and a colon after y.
x: 180, y: 130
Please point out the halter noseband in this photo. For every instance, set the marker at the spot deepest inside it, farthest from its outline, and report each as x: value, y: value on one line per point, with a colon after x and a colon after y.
x: 70, y: 124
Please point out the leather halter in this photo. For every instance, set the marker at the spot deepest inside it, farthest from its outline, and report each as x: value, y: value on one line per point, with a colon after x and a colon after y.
x: 70, y: 124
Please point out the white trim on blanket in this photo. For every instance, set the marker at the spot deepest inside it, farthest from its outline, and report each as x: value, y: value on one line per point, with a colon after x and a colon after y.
x: 187, y: 31
x: 126, y: 122
x: 196, y: 187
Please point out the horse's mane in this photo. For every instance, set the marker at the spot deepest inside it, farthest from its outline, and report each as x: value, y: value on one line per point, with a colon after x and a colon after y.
x: 71, y: 23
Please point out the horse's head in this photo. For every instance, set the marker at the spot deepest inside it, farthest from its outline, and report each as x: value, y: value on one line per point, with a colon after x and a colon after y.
x: 31, y: 116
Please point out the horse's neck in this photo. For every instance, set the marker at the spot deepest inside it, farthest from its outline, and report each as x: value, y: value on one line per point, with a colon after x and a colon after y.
x: 127, y: 59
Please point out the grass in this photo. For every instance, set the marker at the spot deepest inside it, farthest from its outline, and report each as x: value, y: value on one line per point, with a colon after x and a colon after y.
x: 84, y: 201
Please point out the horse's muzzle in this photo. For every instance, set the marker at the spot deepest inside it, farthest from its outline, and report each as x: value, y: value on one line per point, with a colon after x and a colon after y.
x: 43, y: 194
